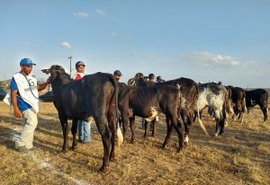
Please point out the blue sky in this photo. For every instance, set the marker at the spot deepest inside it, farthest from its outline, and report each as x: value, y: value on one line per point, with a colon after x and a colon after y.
x: 205, y: 40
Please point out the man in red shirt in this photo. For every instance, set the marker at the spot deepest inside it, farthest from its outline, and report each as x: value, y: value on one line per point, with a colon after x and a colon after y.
x: 84, y: 128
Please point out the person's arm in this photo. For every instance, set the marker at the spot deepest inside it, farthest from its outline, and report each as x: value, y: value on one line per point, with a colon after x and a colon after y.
x: 17, y: 112
x: 42, y: 86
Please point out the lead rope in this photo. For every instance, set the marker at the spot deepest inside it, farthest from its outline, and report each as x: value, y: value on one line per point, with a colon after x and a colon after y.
x: 31, y: 88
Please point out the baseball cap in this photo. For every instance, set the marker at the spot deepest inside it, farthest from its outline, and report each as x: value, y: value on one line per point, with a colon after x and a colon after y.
x: 117, y: 72
x: 79, y: 63
x: 26, y: 62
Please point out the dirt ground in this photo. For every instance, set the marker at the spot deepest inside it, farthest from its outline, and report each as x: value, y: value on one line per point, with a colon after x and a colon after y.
x: 240, y: 156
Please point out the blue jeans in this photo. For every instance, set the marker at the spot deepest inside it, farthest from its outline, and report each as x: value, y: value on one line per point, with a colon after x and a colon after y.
x: 143, y: 123
x: 84, y: 131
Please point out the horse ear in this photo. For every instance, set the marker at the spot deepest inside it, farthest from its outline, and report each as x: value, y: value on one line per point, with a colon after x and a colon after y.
x: 46, y: 71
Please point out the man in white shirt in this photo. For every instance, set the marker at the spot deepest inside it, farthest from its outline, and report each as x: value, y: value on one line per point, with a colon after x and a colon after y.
x: 25, y: 101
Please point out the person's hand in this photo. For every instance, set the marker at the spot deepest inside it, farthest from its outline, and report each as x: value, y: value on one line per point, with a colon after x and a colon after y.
x: 18, y: 113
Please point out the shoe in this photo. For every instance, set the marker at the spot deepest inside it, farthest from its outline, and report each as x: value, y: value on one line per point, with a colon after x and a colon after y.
x: 22, y: 149
x: 83, y: 141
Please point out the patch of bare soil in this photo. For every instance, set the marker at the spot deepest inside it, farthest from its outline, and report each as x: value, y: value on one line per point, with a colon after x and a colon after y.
x: 240, y: 156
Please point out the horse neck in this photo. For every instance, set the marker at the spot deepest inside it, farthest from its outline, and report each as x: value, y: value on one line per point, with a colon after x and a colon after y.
x: 60, y: 81
x: 65, y: 79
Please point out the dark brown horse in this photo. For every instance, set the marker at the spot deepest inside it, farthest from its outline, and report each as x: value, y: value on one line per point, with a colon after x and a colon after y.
x: 93, y: 96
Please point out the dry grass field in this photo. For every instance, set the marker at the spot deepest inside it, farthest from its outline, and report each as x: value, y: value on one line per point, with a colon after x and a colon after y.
x: 240, y: 156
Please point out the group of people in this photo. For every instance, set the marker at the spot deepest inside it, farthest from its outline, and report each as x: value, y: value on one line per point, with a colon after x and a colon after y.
x: 151, y: 78
x: 23, y: 97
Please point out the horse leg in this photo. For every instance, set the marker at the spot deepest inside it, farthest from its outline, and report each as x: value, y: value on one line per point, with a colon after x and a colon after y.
x: 64, y: 125
x: 74, y: 129
x: 153, y: 125
x: 125, y: 120
x: 169, y: 132
x: 179, y: 127
x: 188, y: 120
x: 145, y: 128
x: 265, y: 112
x: 220, y: 120
x: 131, y: 122
x: 112, y: 126
x: 105, y: 133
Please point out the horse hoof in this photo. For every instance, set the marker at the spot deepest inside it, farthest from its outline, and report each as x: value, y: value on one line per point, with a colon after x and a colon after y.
x: 180, y: 149
x: 64, y: 151
x: 163, y: 146
x: 103, y: 169
x: 112, y: 157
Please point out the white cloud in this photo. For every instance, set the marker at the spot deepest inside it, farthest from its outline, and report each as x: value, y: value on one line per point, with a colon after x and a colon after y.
x: 66, y: 45
x: 81, y: 14
x: 209, y: 59
x: 101, y: 12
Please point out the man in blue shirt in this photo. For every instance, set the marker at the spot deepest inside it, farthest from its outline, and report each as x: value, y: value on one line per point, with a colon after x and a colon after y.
x: 24, y: 98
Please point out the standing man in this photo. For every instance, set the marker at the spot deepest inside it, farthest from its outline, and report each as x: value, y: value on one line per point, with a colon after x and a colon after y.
x: 151, y: 81
x: 117, y: 75
x: 84, y: 128
x: 24, y: 98
x: 151, y: 78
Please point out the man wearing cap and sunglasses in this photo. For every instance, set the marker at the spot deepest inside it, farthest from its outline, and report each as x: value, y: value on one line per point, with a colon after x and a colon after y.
x: 84, y: 128
x: 24, y: 98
